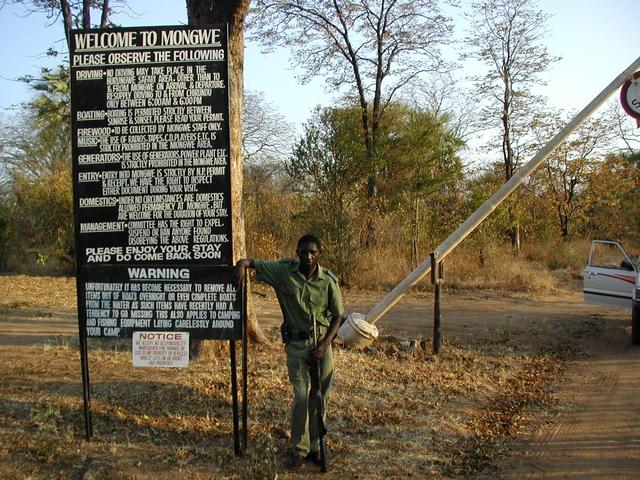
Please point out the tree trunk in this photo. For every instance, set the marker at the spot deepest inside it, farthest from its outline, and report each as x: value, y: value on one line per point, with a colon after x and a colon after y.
x: 86, y: 14
x: 514, y: 229
x: 416, y: 230
x: 564, y: 223
x: 104, y: 18
x: 508, y: 156
x: 515, y: 238
x: 206, y: 12
x: 67, y: 19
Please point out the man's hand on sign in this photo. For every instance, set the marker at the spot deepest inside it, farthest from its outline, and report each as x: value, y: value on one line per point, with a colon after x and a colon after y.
x: 241, y: 270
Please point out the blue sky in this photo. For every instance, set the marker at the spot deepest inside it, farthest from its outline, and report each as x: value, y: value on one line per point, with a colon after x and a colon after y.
x: 596, y: 39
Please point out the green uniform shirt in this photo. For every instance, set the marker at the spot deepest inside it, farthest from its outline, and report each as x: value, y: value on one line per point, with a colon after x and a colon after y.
x: 300, y: 297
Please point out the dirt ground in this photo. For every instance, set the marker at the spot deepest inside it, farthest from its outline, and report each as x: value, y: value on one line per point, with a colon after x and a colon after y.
x: 597, y: 434
x: 591, y: 430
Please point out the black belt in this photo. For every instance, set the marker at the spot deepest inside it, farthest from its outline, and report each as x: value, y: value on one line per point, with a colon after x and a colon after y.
x: 297, y: 336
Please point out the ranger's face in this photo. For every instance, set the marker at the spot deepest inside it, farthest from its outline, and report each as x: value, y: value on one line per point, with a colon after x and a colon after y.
x: 308, y: 254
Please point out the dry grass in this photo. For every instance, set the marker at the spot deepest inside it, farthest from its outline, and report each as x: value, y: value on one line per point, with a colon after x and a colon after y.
x: 394, y: 413
x: 515, y: 274
x: 568, y: 255
x: 381, y: 268
x: 536, y: 270
x: 499, y: 271
x: 49, y: 292
x: 541, y: 268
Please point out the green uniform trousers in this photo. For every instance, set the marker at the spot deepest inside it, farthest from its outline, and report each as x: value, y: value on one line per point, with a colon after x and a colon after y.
x: 304, y: 423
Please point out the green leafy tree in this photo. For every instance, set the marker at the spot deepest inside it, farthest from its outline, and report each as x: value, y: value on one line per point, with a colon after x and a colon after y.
x: 327, y: 167
x: 423, y: 151
x: 51, y: 108
x: 475, y: 190
x: 36, y: 154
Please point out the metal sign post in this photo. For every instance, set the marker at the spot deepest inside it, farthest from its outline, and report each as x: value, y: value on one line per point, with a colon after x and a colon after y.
x: 234, y: 398
x: 437, y: 275
x: 240, y: 429
x: 84, y: 368
x: 245, y: 363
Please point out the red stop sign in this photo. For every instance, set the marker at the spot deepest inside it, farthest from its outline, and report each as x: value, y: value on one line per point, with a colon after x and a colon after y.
x: 630, y: 96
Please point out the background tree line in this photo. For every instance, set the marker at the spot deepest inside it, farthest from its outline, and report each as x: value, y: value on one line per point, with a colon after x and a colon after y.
x: 387, y: 172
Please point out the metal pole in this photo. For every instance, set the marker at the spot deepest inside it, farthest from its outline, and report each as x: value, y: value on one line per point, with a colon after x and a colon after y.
x: 437, y: 334
x: 436, y: 280
x: 234, y: 398
x: 84, y: 366
x: 86, y: 387
x: 470, y: 224
x: 245, y: 373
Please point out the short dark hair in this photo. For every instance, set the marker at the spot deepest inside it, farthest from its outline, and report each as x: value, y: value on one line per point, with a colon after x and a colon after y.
x: 309, y: 238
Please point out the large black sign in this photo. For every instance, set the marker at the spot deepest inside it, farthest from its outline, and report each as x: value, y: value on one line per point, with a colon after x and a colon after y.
x: 152, y: 190
x: 151, y: 146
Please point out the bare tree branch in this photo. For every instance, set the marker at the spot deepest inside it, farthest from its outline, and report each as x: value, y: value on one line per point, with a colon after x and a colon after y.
x: 371, y: 49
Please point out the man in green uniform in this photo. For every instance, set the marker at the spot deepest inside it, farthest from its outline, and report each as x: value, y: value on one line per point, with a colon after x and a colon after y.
x: 305, y: 290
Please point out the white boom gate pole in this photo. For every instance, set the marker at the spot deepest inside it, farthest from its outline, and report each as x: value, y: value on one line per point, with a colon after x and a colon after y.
x: 490, y: 205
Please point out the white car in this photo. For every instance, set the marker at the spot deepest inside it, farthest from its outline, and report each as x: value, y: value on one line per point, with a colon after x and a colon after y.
x: 611, y: 278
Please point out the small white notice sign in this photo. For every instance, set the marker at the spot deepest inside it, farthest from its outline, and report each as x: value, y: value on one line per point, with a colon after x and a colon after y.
x: 160, y: 349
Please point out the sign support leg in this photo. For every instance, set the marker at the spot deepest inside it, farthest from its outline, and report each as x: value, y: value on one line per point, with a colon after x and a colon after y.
x: 437, y: 330
x: 437, y: 274
x: 86, y: 386
x: 84, y: 364
x: 234, y: 398
x: 245, y: 376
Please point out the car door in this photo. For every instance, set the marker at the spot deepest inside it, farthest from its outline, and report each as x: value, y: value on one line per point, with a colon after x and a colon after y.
x: 610, y: 276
